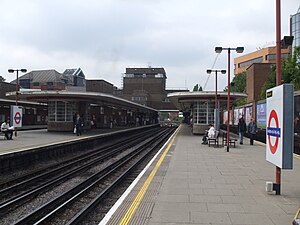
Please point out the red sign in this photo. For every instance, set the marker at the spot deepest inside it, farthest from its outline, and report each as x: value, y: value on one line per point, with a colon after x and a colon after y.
x: 17, y: 118
x: 273, y: 115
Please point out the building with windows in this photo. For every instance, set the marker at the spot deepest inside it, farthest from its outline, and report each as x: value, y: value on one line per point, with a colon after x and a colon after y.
x: 52, y: 80
x: 265, y: 55
x: 147, y: 86
x: 100, y: 86
x: 295, y: 28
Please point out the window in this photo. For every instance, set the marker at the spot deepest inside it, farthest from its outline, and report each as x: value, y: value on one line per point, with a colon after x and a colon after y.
x: 129, y: 75
x: 273, y: 56
x: 203, y: 112
x: 35, y: 84
x: 61, y: 111
x: 50, y: 83
x: 159, y: 75
x: 250, y: 62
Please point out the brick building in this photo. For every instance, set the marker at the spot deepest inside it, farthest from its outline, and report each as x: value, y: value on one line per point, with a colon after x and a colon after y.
x: 6, y: 87
x: 52, y: 80
x: 101, y: 86
x: 147, y: 86
x: 265, y: 55
x: 257, y: 74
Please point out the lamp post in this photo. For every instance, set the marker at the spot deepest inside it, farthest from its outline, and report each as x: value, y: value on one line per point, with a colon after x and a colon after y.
x: 17, y: 85
x: 219, y: 50
x: 209, y: 71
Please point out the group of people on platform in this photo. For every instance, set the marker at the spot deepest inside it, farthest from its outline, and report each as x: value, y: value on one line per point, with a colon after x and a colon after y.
x: 251, y: 129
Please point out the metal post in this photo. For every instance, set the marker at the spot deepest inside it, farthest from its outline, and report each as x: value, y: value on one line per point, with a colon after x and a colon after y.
x: 228, y: 102
x: 278, y: 77
x: 17, y: 91
x: 17, y: 86
x: 216, y: 103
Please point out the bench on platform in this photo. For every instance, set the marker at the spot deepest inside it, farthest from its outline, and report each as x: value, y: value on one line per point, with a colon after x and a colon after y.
x: 214, y: 140
x: 2, y: 134
x: 232, y: 141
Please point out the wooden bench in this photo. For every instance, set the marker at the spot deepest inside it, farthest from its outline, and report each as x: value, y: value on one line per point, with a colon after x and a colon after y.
x: 232, y: 140
x: 214, y: 140
x: 2, y: 134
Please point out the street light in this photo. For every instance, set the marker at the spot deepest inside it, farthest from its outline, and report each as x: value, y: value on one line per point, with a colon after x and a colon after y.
x: 219, y: 50
x: 209, y: 71
x: 17, y: 85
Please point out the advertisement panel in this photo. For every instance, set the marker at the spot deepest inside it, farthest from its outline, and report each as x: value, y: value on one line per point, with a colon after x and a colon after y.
x: 248, y: 115
x: 261, y: 115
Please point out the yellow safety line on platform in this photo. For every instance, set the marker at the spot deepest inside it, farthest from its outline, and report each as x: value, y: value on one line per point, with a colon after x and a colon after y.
x: 143, y: 190
x: 296, y: 156
x: 297, y: 214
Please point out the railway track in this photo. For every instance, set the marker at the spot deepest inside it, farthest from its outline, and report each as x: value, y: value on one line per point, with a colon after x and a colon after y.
x: 88, y: 181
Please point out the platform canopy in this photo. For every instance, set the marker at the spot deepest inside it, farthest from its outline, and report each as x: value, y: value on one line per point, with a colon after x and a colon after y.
x: 184, y: 100
x: 91, y: 97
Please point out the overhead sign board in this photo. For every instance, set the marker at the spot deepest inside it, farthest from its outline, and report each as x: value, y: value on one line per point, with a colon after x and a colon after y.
x: 280, y: 127
x: 16, y: 115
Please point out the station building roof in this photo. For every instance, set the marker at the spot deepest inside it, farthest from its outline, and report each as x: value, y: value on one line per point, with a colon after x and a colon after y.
x: 91, y: 97
x: 184, y: 100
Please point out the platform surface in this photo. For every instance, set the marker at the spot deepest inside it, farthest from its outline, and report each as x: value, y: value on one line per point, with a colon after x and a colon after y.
x: 197, y: 184
x: 27, y: 139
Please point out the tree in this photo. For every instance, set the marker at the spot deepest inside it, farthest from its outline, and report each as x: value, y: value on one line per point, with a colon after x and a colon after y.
x: 290, y: 73
x: 238, y: 83
x: 2, y: 79
x: 196, y: 87
x: 200, y: 88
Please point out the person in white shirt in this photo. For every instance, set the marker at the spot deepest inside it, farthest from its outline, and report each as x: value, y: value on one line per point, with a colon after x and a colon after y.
x: 209, y: 134
x: 211, y: 131
x: 6, y: 130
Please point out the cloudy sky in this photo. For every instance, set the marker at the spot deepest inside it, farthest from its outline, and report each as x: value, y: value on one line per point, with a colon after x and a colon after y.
x: 103, y: 37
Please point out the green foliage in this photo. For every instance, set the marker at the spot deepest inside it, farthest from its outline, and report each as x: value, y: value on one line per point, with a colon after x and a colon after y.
x: 2, y: 79
x: 290, y: 69
x: 238, y: 83
x: 196, y: 87
x: 241, y: 102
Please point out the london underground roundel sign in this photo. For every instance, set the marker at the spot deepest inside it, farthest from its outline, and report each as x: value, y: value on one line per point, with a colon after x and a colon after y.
x: 17, y: 118
x: 273, y: 131
x: 279, y: 131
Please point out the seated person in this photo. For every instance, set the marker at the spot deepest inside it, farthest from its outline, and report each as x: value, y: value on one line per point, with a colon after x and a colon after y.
x: 7, y: 130
x: 209, y: 134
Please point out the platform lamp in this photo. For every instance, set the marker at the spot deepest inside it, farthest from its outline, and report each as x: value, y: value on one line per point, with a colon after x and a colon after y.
x: 17, y: 85
x: 219, y: 50
x: 209, y: 71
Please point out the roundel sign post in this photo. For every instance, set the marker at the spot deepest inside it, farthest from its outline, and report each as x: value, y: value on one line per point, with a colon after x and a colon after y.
x: 16, y: 115
x: 280, y: 130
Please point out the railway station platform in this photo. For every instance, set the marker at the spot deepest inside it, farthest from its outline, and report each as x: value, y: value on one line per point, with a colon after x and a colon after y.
x: 32, y: 137
x: 191, y: 183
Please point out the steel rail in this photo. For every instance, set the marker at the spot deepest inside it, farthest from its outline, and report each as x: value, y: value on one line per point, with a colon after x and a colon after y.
x: 51, y: 207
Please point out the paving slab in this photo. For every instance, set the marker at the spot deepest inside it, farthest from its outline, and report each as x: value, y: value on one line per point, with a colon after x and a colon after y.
x: 207, y: 185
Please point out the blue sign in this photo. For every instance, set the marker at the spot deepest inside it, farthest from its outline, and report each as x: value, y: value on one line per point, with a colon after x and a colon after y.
x: 273, y: 131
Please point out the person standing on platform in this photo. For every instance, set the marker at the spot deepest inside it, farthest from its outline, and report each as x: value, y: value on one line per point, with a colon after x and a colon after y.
x: 241, y: 128
x: 78, y: 125
x: 252, y: 130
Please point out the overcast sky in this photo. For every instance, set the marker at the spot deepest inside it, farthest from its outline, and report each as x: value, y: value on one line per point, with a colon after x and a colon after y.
x: 103, y: 37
